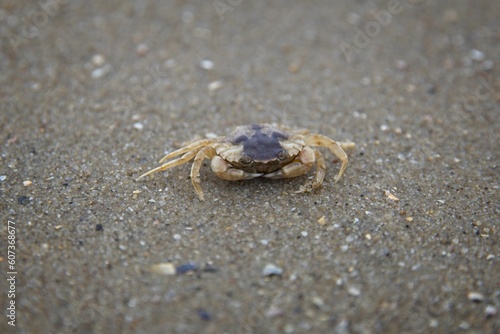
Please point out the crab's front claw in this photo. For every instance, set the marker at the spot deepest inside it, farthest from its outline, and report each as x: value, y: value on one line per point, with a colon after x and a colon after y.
x: 226, y: 172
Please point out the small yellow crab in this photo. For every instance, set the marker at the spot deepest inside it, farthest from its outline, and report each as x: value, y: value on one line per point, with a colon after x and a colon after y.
x: 259, y: 150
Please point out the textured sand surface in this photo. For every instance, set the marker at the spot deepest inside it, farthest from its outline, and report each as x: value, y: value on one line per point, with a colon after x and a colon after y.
x: 93, y: 94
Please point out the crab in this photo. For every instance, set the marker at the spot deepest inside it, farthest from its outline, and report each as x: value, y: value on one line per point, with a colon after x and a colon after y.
x: 259, y: 150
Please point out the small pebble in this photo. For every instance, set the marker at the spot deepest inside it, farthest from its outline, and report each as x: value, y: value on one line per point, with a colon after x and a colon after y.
x: 475, y: 296
x: 304, y: 233
x: 215, y: 85
x: 138, y: 126
x: 476, y: 55
x: 272, y: 270
x: 100, y: 72
x: 186, y: 268
x: 401, y: 65
x: 204, y: 315
x: 177, y: 236
x: 23, y: 200
x: 354, y: 291
x: 322, y: 221
x: 410, y: 88
x: 211, y: 135
x: 207, y: 64
x: 490, y: 311
x: 432, y: 90
x: 357, y: 114
x: 274, y: 312
x: 3, y: 177
x: 464, y: 325
x: 433, y: 323
x: 122, y: 247
x: 167, y: 269
x: 98, y: 60
x: 391, y: 196
x: 209, y: 268
x: 58, y: 227
x: 27, y: 183
x: 98, y: 227
x: 318, y: 302
x: 142, y: 49
x: 342, y: 326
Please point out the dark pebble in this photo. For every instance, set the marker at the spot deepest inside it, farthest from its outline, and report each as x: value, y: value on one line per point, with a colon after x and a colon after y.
x: 23, y: 200
x: 210, y: 269
x: 204, y: 315
x: 98, y: 227
x: 186, y: 268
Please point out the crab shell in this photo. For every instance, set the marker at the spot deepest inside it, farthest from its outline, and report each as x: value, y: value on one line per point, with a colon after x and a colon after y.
x: 259, y: 148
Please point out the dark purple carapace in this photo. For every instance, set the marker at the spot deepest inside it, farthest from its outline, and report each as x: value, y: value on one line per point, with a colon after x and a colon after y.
x: 262, y: 143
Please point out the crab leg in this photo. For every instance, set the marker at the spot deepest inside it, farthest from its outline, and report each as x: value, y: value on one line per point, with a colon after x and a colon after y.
x: 182, y: 160
x: 334, y: 147
x: 207, y: 152
x: 320, y: 170
x: 347, y: 145
x: 191, y: 147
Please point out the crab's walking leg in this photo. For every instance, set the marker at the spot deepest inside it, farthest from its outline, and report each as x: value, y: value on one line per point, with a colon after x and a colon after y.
x: 347, y: 145
x: 205, y: 153
x: 320, y: 140
x: 191, y: 147
x: 182, y: 160
x: 320, y: 171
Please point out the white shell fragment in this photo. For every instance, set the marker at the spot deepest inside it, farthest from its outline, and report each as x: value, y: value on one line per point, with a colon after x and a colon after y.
x: 271, y: 269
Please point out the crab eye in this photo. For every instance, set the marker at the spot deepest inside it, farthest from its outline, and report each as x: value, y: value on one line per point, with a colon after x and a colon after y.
x: 245, y: 158
x: 282, y: 155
